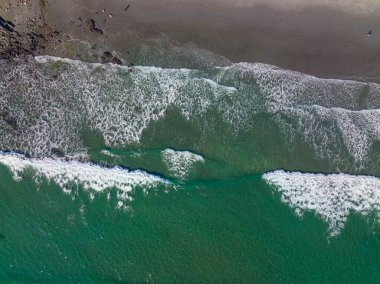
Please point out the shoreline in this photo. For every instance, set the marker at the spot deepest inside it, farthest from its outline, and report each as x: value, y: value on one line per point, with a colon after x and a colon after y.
x: 321, y: 39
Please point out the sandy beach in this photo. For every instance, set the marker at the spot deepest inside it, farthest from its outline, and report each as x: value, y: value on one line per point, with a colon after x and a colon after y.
x: 322, y: 38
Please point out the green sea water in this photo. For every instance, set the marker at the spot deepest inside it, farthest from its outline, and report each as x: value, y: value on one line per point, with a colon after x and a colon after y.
x: 220, y: 212
x: 215, y: 231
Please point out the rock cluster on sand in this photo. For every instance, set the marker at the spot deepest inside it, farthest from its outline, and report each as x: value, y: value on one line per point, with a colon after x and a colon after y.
x: 23, y: 30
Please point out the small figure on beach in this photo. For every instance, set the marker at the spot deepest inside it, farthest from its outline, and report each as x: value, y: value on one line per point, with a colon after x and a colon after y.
x: 369, y: 34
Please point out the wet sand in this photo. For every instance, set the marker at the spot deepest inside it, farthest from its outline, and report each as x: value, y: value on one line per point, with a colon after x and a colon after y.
x: 326, y: 38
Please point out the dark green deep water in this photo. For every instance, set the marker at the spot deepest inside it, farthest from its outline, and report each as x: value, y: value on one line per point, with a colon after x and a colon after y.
x: 222, y: 223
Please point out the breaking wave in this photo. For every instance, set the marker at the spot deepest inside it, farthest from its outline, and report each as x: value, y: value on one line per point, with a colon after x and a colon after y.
x: 180, y: 162
x: 71, y: 174
x: 333, y: 197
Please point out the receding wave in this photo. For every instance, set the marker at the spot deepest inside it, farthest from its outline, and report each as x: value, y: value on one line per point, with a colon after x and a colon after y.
x: 232, y: 114
x: 338, y: 119
x: 333, y: 197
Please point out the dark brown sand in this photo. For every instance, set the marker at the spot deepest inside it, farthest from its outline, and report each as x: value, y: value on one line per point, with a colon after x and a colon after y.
x: 325, y: 40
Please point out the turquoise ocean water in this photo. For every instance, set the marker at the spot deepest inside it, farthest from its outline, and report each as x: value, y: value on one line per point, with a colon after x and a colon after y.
x: 241, y: 174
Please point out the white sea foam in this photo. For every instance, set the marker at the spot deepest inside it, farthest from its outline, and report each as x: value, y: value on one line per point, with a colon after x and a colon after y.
x: 333, y: 197
x: 180, y: 162
x: 338, y: 118
x: 48, y: 100
x: 69, y: 174
x: 108, y: 153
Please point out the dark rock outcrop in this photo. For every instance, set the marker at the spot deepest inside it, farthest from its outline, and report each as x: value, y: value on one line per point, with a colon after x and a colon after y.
x: 90, y: 25
x: 107, y: 57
